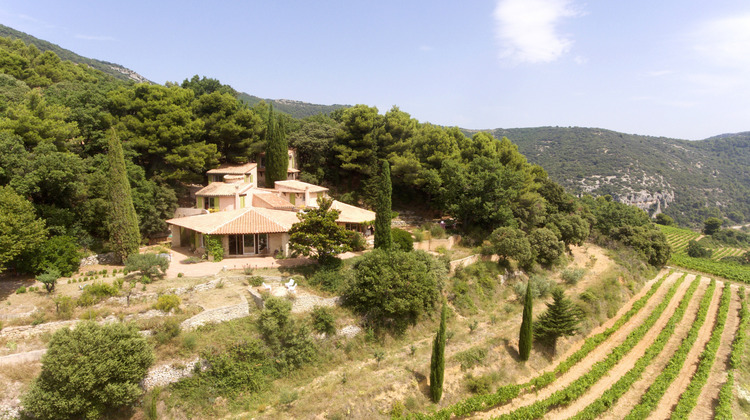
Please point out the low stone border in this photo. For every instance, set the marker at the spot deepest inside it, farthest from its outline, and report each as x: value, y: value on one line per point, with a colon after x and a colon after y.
x: 223, y: 314
x: 170, y: 373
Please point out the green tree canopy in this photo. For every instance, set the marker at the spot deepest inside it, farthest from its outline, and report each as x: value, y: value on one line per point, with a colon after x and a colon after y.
x: 546, y: 246
x: 89, y: 372
x: 712, y: 225
x: 316, y: 234
x: 509, y: 242
x: 392, y: 289
x: 20, y: 229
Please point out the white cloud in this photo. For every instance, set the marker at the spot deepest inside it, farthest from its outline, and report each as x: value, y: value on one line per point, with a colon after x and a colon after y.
x: 725, y: 41
x: 527, y: 29
x: 95, y: 37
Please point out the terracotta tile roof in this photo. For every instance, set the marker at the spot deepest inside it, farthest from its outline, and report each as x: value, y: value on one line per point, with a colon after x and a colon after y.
x: 298, y: 186
x: 352, y: 214
x: 222, y: 189
x: 271, y: 201
x: 234, y: 169
x: 242, y: 221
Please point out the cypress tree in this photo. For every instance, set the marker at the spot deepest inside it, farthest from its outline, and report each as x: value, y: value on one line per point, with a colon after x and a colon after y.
x: 526, y: 335
x: 124, y: 235
x: 277, y: 159
x: 383, y: 213
x: 437, y: 362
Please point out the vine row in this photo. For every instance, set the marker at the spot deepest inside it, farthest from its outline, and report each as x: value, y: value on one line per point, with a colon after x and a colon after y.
x: 506, y: 393
x: 653, y: 395
x: 582, y: 384
x: 724, y: 409
x: 689, y: 398
x: 610, y: 396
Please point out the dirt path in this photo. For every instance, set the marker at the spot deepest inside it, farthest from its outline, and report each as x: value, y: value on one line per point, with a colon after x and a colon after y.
x: 600, y: 352
x: 629, y: 361
x: 681, y: 382
x: 709, y: 397
x: 629, y: 400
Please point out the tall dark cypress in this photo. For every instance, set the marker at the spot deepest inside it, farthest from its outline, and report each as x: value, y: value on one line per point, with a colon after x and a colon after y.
x: 526, y: 335
x: 437, y: 362
x: 383, y: 212
x: 277, y: 158
x: 124, y: 235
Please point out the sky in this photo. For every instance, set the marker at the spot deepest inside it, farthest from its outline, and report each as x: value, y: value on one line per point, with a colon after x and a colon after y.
x: 670, y: 68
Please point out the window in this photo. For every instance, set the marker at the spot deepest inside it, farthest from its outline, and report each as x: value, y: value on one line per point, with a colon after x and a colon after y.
x: 249, y: 244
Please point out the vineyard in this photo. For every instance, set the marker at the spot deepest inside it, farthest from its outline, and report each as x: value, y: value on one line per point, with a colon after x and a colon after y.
x: 678, y: 239
x: 664, y: 355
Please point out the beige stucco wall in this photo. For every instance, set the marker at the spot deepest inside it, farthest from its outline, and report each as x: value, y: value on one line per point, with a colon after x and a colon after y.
x: 278, y: 241
x: 226, y: 203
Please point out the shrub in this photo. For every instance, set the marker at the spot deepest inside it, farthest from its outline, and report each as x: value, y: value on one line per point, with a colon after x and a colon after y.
x: 89, y: 371
x: 330, y: 280
x: 392, y: 289
x: 480, y: 384
x: 322, y: 320
x: 58, y: 252
x: 356, y: 241
x: 180, y: 275
x: 64, y: 307
x: 436, y: 231
x: 471, y: 357
x: 255, y: 281
x: 289, y: 342
x: 149, y: 265
x: 167, y: 330
x: 20, y: 290
x: 167, y: 302
x: 94, y: 293
x: 402, y: 239
x: 572, y: 275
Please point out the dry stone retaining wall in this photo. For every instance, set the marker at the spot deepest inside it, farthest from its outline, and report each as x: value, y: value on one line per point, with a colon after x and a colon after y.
x: 223, y: 314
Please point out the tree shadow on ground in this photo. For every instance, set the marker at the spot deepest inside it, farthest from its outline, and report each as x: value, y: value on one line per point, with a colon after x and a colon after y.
x: 422, y: 383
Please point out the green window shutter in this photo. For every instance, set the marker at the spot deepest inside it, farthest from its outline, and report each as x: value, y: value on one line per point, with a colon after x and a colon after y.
x: 242, y: 202
x: 199, y: 202
x: 292, y: 198
x: 215, y: 203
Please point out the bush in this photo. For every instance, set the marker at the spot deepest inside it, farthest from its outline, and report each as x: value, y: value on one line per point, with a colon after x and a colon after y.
x: 392, y: 289
x: 167, y: 330
x: 330, y: 280
x: 59, y: 253
x: 436, y: 231
x: 356, y: 241
x: 289, y: 342
x: 541, y: 287
x: 149, y: 265
x: 64, y: 307
x: 255, y: 281
x: 167, y: 302
x: 322, y: 320
x: 402, y: 239
x: 89, y: 371
x: 572, y: 275
x: 695, y: 250
x: 94, y: 293
x: 471, y: 357
x: 20, y: 290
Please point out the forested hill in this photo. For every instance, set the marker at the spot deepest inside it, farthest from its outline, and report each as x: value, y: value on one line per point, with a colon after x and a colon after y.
x: 112, y: 69
x: 296, y: 109
x: 688, y: 180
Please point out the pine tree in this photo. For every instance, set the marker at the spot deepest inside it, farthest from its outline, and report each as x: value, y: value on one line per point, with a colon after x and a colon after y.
x: 437, y: 362
x: 561, y: 319
x: 277, y: 158
x: 124, y: 236
x: 526, y: 335
x: 383, y: 213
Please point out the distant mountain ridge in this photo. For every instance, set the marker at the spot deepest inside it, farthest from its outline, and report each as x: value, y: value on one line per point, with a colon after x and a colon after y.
x: 296, y: 109
x: 688, y: 180
x: 116, y: 70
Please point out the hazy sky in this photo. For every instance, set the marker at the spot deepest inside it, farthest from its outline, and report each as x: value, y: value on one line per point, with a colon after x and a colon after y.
x: 663, y: 68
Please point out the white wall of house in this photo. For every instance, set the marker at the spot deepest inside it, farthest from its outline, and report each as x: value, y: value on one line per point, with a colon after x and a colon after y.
x: 279, y: 242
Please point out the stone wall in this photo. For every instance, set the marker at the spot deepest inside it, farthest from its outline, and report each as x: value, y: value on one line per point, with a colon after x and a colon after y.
x: 434, y: 244
x: 223, y: 314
